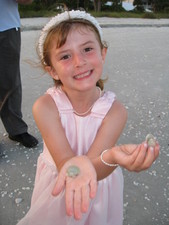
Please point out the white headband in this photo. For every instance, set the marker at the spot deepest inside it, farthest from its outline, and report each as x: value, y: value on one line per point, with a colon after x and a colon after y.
x: 62, y: 17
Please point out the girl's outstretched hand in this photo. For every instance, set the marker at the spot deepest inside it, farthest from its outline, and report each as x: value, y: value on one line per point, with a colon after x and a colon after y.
x: 78, y: 189
x: 135, y: 157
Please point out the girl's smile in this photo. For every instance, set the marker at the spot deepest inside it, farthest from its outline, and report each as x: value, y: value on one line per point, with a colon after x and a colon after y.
x: 83, y: 75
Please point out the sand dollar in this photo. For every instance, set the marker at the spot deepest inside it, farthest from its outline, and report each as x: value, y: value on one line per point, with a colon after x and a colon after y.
x: 73, y: 171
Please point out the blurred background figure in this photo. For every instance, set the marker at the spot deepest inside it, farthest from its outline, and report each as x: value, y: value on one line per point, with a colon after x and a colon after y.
x: 10, y: 80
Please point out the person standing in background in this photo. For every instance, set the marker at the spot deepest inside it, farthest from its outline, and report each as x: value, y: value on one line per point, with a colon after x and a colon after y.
x: 10, y: 80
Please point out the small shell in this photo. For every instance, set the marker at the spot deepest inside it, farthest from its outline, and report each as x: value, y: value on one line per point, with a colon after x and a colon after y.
x: 150, y: 139
x: 18, y: 200
x: 73, y: 171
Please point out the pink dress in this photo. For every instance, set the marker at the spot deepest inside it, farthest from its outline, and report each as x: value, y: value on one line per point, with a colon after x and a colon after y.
x: 107, y: 207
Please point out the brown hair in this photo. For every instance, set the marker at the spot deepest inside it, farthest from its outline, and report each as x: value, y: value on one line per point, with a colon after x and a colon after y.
x: 60, y: 32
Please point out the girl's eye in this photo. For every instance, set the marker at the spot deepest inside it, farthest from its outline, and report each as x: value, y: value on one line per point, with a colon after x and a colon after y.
x: 88, y: 49
x: 65, y: 57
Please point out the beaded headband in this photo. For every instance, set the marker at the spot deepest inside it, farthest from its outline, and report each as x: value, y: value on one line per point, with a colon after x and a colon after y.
x: 63, y: 17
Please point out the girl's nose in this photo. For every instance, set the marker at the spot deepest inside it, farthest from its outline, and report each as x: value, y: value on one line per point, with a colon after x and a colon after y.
x: 79, y: 59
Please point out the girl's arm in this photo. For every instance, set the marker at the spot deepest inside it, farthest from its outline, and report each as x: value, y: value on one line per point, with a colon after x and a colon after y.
x: 132, y: 157
x: 107, y: 136
x: 48, y: 122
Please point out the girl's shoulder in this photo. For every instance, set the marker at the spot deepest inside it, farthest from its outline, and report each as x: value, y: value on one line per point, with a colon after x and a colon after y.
x: 104, y: 103
x: 53, y: 91
x: 109, y: 96
x: 43, y: 106
x: 60, y: 98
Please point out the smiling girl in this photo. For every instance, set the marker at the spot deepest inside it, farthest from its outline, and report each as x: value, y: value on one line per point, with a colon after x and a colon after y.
x: 77, y: 180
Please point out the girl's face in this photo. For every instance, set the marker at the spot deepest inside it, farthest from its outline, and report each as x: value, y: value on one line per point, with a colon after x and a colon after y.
x: 79, y: 62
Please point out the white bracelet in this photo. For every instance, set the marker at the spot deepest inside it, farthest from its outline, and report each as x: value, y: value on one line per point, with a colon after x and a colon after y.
x: 108, y: 164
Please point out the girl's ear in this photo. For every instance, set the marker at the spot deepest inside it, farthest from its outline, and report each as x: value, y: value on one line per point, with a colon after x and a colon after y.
x: 104, y: 52
x: 52, y: 72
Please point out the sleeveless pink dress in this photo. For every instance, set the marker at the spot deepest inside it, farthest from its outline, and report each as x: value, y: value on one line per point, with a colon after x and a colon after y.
x: 107, y: 207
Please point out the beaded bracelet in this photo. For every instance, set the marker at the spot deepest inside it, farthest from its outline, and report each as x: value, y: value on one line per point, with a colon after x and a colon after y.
x: 107, y: 164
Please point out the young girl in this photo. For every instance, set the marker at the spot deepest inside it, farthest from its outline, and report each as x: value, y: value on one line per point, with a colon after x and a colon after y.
x: 78, y: 179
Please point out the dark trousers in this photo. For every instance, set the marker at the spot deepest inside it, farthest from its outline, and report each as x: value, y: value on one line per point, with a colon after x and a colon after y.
x: 10, y: 82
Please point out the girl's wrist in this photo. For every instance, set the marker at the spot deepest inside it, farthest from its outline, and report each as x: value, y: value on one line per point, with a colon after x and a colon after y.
x: 107, y: 158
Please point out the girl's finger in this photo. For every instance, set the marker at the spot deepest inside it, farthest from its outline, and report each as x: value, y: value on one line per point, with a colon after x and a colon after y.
x: 141, y: 156
x: 149, y: 158
x: 93, y: 188
x: 60, y: 184
x: 77, y: 204
x: 85, y: 198
x: 156, y: 150
x: 69, y: 195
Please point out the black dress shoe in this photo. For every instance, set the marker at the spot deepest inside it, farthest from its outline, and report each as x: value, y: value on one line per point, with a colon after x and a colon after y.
x: 25, y: 139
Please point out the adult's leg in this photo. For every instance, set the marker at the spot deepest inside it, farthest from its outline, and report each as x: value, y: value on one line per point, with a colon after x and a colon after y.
x: 11, y: 89
x: 10, y: 82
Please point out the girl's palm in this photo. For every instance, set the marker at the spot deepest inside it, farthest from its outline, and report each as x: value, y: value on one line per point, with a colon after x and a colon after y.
x: 80, y: 189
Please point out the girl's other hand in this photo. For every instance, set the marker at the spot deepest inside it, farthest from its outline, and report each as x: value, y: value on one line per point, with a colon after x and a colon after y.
x: 135, y: 157
x: 79, y: 189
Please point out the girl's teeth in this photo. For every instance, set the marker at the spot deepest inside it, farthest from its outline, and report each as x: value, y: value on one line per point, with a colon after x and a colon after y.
x: 82, y: 75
